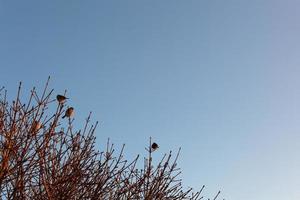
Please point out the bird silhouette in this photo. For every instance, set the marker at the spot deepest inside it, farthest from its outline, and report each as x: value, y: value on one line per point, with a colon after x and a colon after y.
x: 154, y: 146
x: 69, y: 112
x: 61, y: 98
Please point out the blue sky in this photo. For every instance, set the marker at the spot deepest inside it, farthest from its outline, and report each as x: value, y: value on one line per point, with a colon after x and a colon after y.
x: 218, y: 78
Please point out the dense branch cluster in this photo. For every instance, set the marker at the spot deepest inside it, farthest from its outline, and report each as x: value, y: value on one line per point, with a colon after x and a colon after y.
x: 42, y: 157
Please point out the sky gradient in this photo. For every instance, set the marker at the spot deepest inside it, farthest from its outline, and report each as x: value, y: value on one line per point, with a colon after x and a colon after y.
x: 218, y: 78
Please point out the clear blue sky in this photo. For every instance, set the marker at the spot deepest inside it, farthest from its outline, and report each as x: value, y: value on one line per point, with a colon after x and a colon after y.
x: 221, y: 79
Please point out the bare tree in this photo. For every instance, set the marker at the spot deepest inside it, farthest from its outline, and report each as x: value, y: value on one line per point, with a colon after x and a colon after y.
x: 42, y: 157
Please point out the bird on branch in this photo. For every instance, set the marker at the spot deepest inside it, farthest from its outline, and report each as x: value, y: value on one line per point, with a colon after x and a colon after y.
x: 154, y: 146
x: 36, y: 125
x: 61, y: 98
x: 69, y: 112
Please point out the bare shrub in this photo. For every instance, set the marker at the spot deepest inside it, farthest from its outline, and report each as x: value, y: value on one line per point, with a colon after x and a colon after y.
x: 42, y: 157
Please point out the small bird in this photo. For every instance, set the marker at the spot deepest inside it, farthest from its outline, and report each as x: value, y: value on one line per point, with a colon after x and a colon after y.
x: 69, y: 112
x: 36, y: 125
x: 61, y: 98
x: 154, y: 146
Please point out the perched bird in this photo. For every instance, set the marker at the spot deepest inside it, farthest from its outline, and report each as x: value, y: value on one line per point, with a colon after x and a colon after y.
x: 154, y: 146
x: 69, y: 112
x: 36, y: 125
x: 61, y: 98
